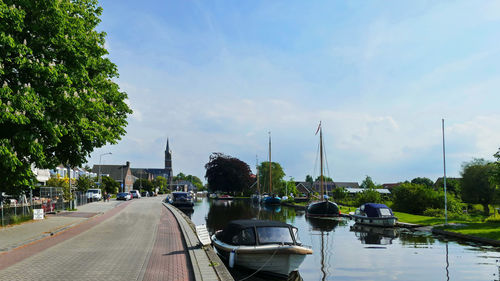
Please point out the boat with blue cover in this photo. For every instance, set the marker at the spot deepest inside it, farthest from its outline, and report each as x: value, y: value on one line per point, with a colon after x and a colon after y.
x: 374, y: 214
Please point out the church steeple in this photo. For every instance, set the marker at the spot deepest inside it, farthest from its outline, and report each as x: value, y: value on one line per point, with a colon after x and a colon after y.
x: 168, y: 162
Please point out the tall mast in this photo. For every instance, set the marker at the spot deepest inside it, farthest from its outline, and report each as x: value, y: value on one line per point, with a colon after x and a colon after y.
x: 257, y: 171
x: 270, y: 173
x: 321, y: 159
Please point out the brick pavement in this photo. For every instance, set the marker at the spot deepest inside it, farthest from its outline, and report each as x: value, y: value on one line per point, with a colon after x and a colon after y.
x: 169, y: 259
x: 113, y: 246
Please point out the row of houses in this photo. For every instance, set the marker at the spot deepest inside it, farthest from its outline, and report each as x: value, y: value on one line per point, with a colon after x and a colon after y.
x: 330, y: 186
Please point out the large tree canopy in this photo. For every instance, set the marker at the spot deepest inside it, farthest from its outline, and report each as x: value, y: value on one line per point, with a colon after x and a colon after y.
x: 277, y: 175
x: 477, y: 184
x: 227, y: 174
x: 58, y: 101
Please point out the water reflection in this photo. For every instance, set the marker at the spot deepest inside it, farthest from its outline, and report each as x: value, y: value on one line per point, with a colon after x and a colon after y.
x: 343, y: 253
x: 374, y: 235
x: 188, y: 211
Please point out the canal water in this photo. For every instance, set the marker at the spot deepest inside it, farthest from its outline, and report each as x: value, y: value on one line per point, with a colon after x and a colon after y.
x: 345, y: 251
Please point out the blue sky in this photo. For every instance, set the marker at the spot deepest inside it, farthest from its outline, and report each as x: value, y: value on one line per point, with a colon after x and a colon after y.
x: 216, y: 76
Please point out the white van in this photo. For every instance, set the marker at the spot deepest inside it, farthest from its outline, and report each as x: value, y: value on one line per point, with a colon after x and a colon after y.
x: 94, y: 194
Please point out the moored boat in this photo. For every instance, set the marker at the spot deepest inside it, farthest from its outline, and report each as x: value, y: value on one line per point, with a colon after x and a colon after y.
x: 324, y: 208
x: 271, y: 247
x: 272, y: 200
x: 181, y: 199
x: 374, y: 214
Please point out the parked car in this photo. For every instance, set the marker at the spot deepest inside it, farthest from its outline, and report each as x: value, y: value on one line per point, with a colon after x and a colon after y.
x: 94, y: 194
x: 123, y: 196
x: 144, y: 194
x: 135, y: 194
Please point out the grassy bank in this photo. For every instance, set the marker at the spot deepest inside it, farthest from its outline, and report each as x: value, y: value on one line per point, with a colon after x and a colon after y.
x: 490, y: 230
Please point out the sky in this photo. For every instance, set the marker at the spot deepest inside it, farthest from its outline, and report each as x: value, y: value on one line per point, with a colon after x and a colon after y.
x: 217, y: 76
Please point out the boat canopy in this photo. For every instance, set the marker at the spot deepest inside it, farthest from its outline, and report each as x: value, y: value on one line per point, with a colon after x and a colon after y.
x: 376, y: 210
x: 242, y: 232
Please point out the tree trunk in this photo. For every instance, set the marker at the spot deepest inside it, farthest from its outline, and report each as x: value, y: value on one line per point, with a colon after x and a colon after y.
x: 486, y: 208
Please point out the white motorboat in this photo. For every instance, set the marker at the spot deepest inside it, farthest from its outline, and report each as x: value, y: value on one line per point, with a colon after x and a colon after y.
x: 374, y: 214
x: 270, y: 247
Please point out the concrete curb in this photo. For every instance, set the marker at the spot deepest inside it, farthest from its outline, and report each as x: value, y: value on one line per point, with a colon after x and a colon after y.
x: 205, y: 262
x: 466, y: 237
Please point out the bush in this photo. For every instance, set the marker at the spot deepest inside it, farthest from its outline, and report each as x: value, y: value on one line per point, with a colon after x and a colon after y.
x: 434, y: 213
x: 416, y: 199
x: 368, y: 196
x: 495, y: 218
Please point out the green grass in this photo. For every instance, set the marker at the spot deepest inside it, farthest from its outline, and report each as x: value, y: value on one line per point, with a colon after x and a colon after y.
x: 489, y: 230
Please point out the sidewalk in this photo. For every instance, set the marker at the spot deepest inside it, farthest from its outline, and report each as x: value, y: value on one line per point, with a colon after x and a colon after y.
x: 15, y: 236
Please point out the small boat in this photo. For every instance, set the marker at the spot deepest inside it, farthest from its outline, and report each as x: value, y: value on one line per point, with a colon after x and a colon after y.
x: 272, y: 247
x: 272, y: 200
x: 181, y: 199
x: 374, y: 214
x: 225, y: 197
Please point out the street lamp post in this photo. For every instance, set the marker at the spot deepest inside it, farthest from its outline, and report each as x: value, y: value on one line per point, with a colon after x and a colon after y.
x: 100, y: 157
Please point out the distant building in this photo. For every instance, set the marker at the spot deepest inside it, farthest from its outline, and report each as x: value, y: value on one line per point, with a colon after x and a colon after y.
x: 120, y: 173
x: 152, y: 173
x: 328, y: 186
x: 390, y: 186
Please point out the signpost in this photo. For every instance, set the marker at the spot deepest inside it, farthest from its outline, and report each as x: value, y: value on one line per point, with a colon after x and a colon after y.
x: 38, y: 214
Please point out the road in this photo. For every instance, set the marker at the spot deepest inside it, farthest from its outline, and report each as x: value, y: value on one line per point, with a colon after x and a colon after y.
x: 118, y: 246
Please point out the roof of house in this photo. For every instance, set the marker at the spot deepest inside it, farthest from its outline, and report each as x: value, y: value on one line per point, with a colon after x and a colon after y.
x: 358, y: 190
x: 116, y: 172
x: 347, y: 184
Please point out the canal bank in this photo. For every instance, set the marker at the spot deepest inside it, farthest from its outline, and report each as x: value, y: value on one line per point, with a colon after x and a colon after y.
x: 205, y: 263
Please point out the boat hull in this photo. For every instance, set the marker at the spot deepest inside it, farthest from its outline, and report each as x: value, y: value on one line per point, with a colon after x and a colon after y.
x: 273, y: 259
x: 271, y: 201
x: 322, y: 209
x: 374, y: 221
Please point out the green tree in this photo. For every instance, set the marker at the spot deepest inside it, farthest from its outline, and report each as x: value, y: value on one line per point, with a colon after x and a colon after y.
x: 84, y: 183
x: 288, y: 187
x: 58, y: 100
x: 144, y: 184
x: 109, y: 185
x: 423, y: 181
x: 64, y: 184
x: 277, y: 175
x: 339, y: 193
x: 309, y: 179
x: 160, y: 183
x: 368, y: 183
x: 452, y: 186
x: 325, y: 179
x: 478, y: 185
x: 370, y: 195
x: 227, y: 174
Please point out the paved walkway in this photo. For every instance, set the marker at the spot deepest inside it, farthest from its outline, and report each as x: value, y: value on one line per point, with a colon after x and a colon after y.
x: 18, y: 235
x: 134, y: 240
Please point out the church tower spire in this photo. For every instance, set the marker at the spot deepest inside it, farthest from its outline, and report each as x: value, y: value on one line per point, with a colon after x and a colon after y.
x: 168, y: 162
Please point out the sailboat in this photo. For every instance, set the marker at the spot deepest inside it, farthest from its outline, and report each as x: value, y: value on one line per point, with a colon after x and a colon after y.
x: 256, y: 197
x: 324, y: 207
x: 272, y: 199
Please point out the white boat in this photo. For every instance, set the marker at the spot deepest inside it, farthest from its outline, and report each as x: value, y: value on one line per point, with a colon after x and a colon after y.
x: 270, y: 247
x: 374, y: 214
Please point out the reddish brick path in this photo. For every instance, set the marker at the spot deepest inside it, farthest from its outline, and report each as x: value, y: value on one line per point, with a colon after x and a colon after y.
x: 169, y: 259
x: 16, y: 255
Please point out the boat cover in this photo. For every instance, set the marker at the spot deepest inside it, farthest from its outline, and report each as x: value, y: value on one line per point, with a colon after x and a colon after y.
x: 234, y: 227
x: 371, y: 209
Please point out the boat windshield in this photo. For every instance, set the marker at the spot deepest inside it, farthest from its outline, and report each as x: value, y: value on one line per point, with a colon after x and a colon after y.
x: 245, y: 237
x: 269, y: 235
x: 385, y: 212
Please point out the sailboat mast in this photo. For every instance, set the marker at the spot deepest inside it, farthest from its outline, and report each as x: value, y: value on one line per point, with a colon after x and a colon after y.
x: 270, y: 173
x: 321, y: 159
x: 257, y: 168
